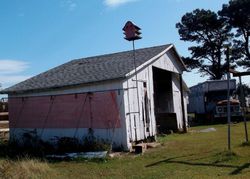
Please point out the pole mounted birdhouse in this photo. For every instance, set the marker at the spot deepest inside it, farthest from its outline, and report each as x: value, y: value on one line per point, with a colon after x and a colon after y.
x: 131, y: 31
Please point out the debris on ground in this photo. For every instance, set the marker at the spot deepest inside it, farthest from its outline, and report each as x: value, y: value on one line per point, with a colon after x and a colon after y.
x: 142, y: 147
x: 208, y: 130
x: 115, y: 154
x: 87, y: 155
x: 153, y: 145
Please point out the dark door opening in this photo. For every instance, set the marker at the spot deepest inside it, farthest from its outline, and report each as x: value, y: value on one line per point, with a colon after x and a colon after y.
x: 163, y: 100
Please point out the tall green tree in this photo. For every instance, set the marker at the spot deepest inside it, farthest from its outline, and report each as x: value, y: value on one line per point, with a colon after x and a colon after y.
x: 237, y: 14
x: 209, y: 34
x: 246, y: 89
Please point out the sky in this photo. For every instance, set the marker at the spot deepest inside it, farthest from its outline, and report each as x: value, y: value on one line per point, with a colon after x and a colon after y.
x: 38, y: 35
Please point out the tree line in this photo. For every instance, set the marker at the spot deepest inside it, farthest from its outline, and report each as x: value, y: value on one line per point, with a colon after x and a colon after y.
x: 210, y: 32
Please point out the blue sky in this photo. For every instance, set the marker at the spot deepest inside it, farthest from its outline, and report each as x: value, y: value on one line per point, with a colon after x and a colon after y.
x: 38, y: 35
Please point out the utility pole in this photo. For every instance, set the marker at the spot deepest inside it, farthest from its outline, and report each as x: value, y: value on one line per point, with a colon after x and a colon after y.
x: 228, y: 101
x: 243, y: 105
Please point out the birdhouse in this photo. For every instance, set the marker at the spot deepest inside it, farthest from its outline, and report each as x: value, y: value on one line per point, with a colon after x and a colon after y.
x: 131, y: 31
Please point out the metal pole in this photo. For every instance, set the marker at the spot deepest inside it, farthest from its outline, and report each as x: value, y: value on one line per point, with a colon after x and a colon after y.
x: 228, y: 102
x: 242, y: 104
x: 136, y: 80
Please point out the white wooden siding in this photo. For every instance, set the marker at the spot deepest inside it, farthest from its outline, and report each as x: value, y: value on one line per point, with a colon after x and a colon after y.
x: 166, y: 62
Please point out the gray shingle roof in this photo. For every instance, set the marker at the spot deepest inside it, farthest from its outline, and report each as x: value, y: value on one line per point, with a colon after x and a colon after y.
x: 87, y: 70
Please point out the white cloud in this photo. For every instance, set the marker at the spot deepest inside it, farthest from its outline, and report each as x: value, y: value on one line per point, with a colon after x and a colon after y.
x: 12, y: 66
x: 116, y: 3
x: 10, y: 72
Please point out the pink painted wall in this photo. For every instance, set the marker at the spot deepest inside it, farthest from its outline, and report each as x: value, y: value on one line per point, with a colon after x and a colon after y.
x: 89, y: 110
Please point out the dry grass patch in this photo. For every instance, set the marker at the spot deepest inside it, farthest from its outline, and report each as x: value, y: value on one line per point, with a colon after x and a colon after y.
x: 25, y: 168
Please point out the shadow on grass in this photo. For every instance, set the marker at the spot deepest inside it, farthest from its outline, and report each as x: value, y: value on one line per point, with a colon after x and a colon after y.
x: 239, y: 169
x: 173, y: 160
x: 245, y: 144
x: 170, y: 160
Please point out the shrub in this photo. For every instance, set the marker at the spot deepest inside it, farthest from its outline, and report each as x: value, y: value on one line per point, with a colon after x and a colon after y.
x: 3, y: 148
x: 29, y: 145
x: 68, y: 144
x: 33, y: 145
x: 95, y: 145
x: 91, y: 143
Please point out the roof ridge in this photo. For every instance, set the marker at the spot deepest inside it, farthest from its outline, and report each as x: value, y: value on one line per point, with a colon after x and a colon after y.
x: 115, y: 53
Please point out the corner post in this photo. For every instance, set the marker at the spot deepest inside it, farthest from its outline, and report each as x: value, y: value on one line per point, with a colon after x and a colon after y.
x: 184, y: 125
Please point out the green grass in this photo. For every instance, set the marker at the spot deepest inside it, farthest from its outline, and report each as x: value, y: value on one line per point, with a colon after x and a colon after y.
x: 192, y: 155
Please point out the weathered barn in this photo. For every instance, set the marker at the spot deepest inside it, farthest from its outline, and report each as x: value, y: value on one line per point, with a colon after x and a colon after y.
x: 100, y: 93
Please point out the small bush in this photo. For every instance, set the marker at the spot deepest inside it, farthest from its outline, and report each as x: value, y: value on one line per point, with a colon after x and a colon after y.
x: 68, y: 144
x: 95, y: 144
x: 91, y: 143
x: 4, y: 149
x: 33, y: 145
x: 29, y: 145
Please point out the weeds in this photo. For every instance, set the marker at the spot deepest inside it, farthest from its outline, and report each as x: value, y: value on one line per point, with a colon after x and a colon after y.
x: 25, y: 168
x: 32, y: 145
x: 68, y: 144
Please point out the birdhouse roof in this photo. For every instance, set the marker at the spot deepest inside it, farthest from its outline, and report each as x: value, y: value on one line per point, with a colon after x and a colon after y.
x: 130, y: 23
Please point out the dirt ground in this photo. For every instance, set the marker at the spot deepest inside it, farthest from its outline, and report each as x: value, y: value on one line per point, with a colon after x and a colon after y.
x: 4, y: 124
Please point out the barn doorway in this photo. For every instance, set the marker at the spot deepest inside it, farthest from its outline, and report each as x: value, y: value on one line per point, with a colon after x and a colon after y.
x: 163, y: 100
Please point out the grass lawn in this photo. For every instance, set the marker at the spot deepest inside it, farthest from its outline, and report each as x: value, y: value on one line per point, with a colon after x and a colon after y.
x: 192, y: 155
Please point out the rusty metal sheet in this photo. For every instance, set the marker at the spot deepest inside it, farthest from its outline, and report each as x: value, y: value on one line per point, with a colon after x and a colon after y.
x: 89, y: 110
